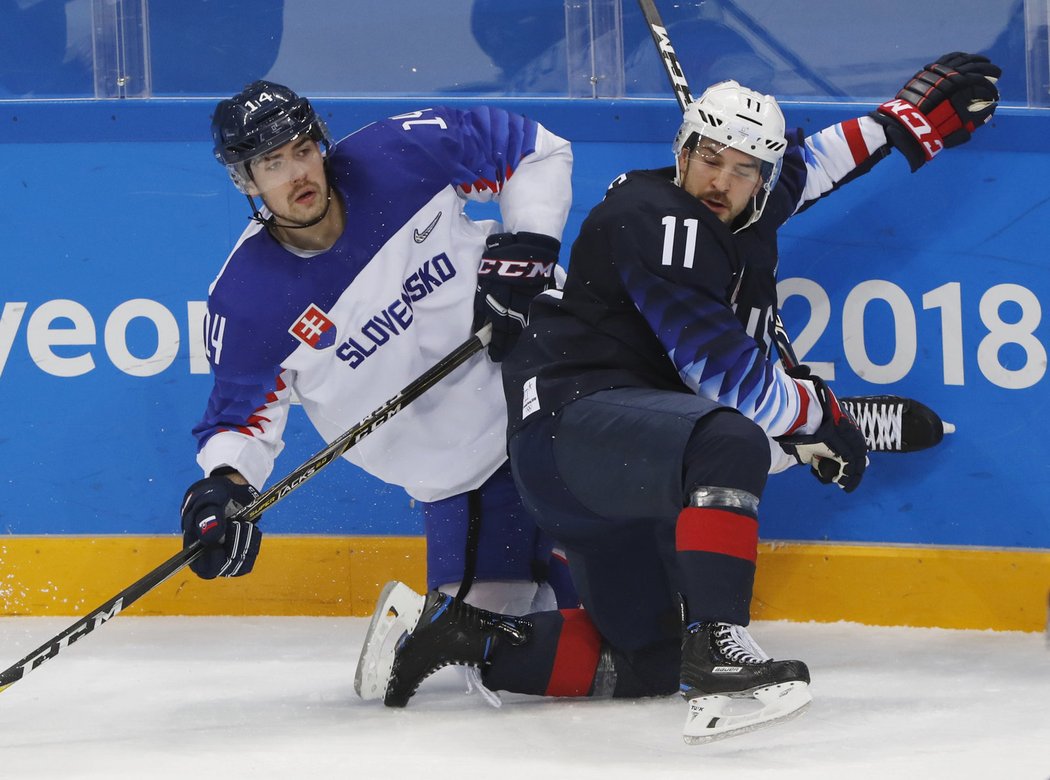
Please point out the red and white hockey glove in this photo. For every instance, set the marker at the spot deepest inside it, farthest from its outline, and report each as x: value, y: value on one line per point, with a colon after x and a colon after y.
x: 941, y: 106
x: 515, y: 268
x: 837, y: 451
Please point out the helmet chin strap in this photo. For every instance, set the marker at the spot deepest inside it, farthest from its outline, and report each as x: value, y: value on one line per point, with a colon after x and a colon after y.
x: 679, y: 174
x: 271, y: 221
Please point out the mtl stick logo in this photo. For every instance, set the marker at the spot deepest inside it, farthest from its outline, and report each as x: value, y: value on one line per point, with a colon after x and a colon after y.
x: 313, y: 328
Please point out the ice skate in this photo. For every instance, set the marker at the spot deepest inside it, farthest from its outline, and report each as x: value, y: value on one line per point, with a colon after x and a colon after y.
x: 397, y: 612
x: 732, y: 686
x: 892, y: 423
x: 432, y: 631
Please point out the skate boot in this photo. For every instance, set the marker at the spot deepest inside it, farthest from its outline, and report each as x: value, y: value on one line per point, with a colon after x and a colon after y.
x: 732, y: 686
x: 892, y: 423
x: 412, y: 636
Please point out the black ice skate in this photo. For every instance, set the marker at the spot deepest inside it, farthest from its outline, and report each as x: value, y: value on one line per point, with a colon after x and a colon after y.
x: 892, y: 423
x: 434, y: 631
x: 732, y: 686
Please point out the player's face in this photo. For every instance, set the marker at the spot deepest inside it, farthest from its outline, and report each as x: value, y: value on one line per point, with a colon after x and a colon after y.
x: 722, y: 178
x: 291, y: 181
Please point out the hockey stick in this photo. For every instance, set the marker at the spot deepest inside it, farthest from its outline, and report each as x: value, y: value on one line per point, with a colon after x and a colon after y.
x: 680, y: 86
x: 278, y: 491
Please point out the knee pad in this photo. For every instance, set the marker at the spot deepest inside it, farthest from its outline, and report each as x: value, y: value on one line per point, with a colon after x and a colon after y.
x: 726, y: 448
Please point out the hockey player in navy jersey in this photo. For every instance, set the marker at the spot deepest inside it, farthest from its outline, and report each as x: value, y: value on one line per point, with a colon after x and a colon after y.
x: 358, y: 272
x: 647, y: 407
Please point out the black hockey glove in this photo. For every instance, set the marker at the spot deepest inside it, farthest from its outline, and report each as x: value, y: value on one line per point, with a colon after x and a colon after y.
x: 941, y: 106
x: 836, y: 451
x: 230, y: 546
x: 515, y: 268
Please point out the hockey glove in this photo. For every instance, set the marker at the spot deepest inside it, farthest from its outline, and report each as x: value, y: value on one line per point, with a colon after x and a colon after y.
x: 941, y: 106
x: 515, y: 268
x: 836, y: 451
x: 230, y: 546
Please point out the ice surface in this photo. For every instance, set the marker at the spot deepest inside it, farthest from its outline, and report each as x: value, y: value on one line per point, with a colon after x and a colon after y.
x: 273, y: 698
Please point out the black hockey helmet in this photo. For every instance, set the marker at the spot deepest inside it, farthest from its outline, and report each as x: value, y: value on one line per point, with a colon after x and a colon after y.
x: 260, y: 118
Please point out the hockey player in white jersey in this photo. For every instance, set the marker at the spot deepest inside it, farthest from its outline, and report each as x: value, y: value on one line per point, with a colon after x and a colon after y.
x: 359, y: 271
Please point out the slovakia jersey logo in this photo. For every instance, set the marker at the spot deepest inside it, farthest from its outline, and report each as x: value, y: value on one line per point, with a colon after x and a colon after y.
x: 314, y: 329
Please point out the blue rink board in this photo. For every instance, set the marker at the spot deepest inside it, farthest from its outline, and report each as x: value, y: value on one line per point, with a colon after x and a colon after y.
x: 96, y: 216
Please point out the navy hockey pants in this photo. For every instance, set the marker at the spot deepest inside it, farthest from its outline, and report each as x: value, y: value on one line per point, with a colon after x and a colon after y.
x: 608, y: 477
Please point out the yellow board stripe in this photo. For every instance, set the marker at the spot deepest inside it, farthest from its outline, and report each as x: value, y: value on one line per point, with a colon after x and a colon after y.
x: 965, y: 587
x: 340, y: 576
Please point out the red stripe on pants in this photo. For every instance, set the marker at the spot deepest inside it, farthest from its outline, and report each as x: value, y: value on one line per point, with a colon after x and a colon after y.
x: 717, y: 531
x: 576, y: 659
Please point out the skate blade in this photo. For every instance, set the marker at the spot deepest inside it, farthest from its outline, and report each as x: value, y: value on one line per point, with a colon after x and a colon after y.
x: 720, y: 716
x: 398, y: 607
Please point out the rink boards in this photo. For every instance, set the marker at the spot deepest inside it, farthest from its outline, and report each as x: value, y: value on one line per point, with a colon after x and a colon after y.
x: 341, y: 576
x: 928, y: 285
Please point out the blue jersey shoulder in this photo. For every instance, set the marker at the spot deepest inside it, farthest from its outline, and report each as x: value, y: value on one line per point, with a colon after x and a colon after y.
x: 476, y: 148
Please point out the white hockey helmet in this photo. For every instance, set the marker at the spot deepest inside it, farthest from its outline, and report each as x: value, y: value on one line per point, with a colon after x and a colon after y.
x: 739, y: 118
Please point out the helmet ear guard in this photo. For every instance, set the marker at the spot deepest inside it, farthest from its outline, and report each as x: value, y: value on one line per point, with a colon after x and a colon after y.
x: 738, y: 118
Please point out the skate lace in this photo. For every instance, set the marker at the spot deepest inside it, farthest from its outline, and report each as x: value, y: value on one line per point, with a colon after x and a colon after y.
x: 736, y: 644
x: 880, y: 422
x: 472, y: 676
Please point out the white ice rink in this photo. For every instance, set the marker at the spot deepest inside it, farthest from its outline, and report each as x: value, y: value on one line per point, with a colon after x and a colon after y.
x: 239, y: 698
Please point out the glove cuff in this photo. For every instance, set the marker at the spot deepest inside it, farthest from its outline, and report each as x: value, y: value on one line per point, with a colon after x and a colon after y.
x: 537, y: 246
x: 910, y: 131
x: 221, y: 491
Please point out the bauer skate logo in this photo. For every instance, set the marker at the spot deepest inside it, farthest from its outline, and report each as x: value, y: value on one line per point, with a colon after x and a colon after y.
x: 418, y: 237
x: 90, y: 624
x: 727, y: 670
x: 314, y: 329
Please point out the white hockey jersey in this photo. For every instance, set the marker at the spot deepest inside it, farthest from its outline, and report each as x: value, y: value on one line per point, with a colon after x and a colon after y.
x: 347, y: 328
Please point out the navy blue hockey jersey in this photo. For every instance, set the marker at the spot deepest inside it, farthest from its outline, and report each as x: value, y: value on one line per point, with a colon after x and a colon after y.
x: 661, y: 294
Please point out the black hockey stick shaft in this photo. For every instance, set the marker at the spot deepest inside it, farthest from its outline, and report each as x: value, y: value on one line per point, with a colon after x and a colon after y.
x: 411, y: 392
x: 96, y: 618
x: 672, y: 66
x: 275, y: 493
x: 680, y: 87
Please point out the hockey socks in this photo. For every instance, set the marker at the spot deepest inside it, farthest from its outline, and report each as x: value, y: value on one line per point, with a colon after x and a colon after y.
x: 717, y: 546
x: 561, y: 658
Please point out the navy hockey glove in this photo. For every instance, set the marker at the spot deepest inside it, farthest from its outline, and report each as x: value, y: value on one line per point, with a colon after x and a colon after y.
x: 837, y: 451
x: 941, y: 106
x: 230, y: 546
x: 515, y: 268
